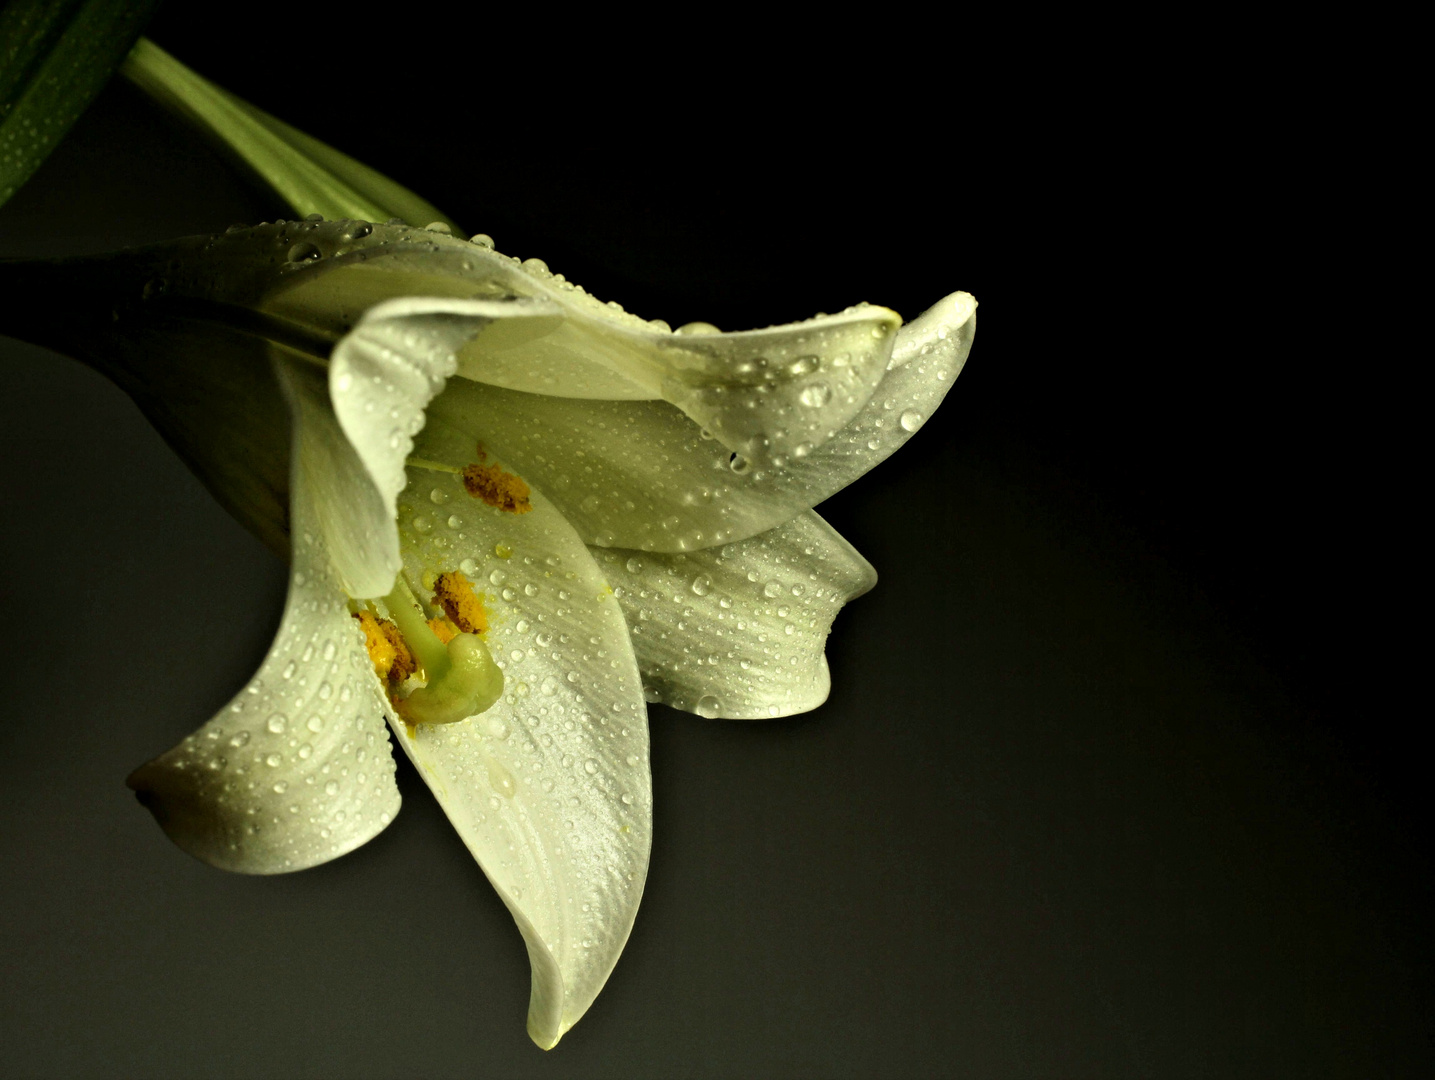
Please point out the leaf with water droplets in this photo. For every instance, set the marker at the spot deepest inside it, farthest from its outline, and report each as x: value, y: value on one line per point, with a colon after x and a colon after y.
x: 296, y: 770
x: 738, y: 631
x: 54, y: 59
x: 550, y: 787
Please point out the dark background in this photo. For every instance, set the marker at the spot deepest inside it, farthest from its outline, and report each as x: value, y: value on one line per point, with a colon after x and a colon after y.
x: 1116, y: 778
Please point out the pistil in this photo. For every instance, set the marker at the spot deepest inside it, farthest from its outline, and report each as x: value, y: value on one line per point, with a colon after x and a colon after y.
x: 461, y: 678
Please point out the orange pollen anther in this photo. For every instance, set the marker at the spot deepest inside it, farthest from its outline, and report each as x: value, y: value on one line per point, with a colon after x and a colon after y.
x: 386, y: 648
x: 454, y: 593
x: 497, y: 488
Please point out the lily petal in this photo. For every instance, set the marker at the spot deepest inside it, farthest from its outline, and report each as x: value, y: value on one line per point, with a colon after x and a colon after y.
x: 767, y: 393
x: 550, y: 788
x: 381, y: 376
x: 296, y: 770
x: 640, y: 474
x: 738, y: 631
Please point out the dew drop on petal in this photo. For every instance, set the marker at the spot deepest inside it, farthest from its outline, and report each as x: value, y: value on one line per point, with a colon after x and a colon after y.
x: 816, y: 395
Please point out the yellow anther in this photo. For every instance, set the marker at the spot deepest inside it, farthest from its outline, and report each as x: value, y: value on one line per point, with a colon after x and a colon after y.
x: 385, y: 645
x: 444, y: 630
x: 454, y: 593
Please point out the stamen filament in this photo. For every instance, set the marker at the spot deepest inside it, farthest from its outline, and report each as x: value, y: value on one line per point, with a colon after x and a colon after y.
x: 432, y: 466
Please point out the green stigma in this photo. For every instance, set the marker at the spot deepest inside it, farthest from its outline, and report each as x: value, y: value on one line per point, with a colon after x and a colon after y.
x: 462, y: 679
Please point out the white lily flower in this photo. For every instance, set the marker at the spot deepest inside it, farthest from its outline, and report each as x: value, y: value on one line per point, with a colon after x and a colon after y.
x: 594, y: 510
x: 513, y: 513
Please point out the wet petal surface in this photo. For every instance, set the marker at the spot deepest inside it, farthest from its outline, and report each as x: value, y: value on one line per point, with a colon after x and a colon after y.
x: 296, y: 770
x: 738, y: 631
x: 640, y: 474
x: 550, y: 788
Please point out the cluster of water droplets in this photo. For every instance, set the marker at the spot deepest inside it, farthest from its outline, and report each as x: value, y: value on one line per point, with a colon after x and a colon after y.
x: 738, y: 630
x: 552, y: 783
x: 297, y: 768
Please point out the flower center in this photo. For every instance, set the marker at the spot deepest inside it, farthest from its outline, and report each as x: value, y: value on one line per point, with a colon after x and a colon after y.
x: 461, y: 679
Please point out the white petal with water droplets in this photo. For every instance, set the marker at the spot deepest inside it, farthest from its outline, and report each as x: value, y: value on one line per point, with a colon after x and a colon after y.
x: 764, y: 392
x: 639, y: 474
x: 383, y: 373
x: 297, y: 769
x: 550, y: 788
x: 738, y: 631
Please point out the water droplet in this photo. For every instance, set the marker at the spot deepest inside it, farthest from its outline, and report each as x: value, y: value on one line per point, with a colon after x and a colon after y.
x: 315, y: 723
x: 496, y: 728
x: 530, y: 589
x: 305, y: 751
x: 274, y: 761
x: 501, y: 780
x: 423, y: 524
x: 739, y: 464
x: 816, y: 395
x: 803, y: 365
x: 454, y: 521
x: 240, y: 739
x: 544, y: 639
x: 304, y: 252
x: 772, y: 589
x: 702, y: 585
x: 438, y: 496
x: 331, y: 788
x: 357, y: 231
x: 482, y: 240
x: 277, y: 723
x: 549, y: 685
x: 590, y: 766
x: 497, y: 577
x: 281, y: 786
x: 503, y: 551
x: 634, y: 565
x: 911, y: 420
x: 708, y: 706
x: 697, y: 328
x: 469, y: 567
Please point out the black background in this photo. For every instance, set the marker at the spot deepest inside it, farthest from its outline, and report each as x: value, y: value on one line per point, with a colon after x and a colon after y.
x: 1116, y: 778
